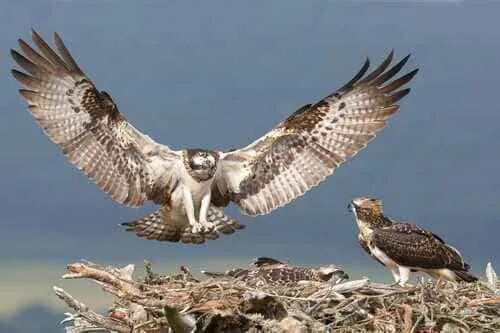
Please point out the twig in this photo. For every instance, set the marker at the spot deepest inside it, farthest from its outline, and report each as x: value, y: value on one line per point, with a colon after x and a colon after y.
x: 97, y: 320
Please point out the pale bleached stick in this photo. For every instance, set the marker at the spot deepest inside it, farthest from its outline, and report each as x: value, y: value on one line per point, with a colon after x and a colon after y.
x: 95, y: 319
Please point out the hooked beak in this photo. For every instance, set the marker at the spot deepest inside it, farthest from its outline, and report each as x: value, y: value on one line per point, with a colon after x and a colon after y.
x: 350, y: 207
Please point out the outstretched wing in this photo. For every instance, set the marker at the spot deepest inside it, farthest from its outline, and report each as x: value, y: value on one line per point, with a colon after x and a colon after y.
x: 87, y: 125
x: 302, y: 151
x: 412, y: 246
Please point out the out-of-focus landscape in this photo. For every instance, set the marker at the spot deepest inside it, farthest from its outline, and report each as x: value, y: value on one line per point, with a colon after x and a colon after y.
x: 220, y: 74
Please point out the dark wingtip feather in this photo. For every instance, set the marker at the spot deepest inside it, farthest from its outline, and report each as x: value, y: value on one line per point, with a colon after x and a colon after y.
x: 380, y: 69
x: 22, y: 44
x: 35, y: 34
x: 47, y: 51
x: 413, y: 73
x: 64, y: 52
x: 34, y: 56
x: 465, y: 276
x: 129, y: 226
x: 24, y: 63
x: 14, y: 53
x: 19, y: 76
x: 358, y: 76
x: 400, y: 94
x: 399, y: 82
x: 391, y: 72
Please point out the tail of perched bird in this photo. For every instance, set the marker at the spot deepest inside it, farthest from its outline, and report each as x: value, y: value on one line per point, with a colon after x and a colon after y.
x: 213, y: 274
x: 234, y: 273
x: 464, y: 276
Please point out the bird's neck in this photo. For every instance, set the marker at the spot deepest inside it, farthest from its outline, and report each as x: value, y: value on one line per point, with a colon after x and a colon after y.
x: 373, y: 219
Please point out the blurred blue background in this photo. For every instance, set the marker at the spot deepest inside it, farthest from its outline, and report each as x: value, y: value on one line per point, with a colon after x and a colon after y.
x: 219, y: 74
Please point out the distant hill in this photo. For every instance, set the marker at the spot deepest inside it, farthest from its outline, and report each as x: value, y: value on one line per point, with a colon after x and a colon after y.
x: 35, y: 318
x: 6, y: 328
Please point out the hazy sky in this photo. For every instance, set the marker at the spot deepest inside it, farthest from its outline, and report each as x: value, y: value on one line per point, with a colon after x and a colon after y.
x: 219, y: 74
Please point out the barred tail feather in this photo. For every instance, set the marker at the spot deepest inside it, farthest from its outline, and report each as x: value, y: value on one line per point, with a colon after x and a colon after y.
x: 155, y: 226
x: 222, y: 222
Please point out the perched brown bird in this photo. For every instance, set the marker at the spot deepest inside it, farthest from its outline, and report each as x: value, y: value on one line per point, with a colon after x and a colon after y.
x: 193, y: 186
x: 404, y: 247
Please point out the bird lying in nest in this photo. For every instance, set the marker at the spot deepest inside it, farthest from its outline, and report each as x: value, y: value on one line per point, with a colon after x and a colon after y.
x: 271, y: 271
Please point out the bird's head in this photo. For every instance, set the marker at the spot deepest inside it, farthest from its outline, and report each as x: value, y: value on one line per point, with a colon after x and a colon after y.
x: 202, y: 163
x: 365, y: 205
x: 327, y: 273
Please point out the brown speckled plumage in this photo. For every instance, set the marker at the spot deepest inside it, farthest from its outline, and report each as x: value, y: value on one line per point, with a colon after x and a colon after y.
x: 156, y: 226
x: 271, y: 271
x: 404, y: 243
x: 85, y: 123
x: 308, y: 146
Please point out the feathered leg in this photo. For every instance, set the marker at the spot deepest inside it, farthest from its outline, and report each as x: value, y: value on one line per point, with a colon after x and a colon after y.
x: 220, y: 223
x: 404, y: 275
x: 395, y: 274
x: 205, y: 204
x: 196, y: 227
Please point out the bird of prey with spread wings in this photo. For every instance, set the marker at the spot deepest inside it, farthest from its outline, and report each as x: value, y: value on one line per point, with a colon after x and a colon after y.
x: 404, y: 247
x: 193, y: 186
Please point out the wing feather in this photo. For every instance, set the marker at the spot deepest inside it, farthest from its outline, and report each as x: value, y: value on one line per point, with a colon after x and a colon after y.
x: 86, y: 124
x: 412, y: 246
x: 310, y: 144
x: 68, y: 58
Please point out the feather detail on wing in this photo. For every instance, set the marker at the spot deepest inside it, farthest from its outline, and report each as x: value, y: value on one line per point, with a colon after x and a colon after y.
x: 302, y: 151
x: 87, y: 125
x: 411, y: 246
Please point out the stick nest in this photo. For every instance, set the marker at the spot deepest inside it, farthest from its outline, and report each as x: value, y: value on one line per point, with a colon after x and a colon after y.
x: 257, y: 302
